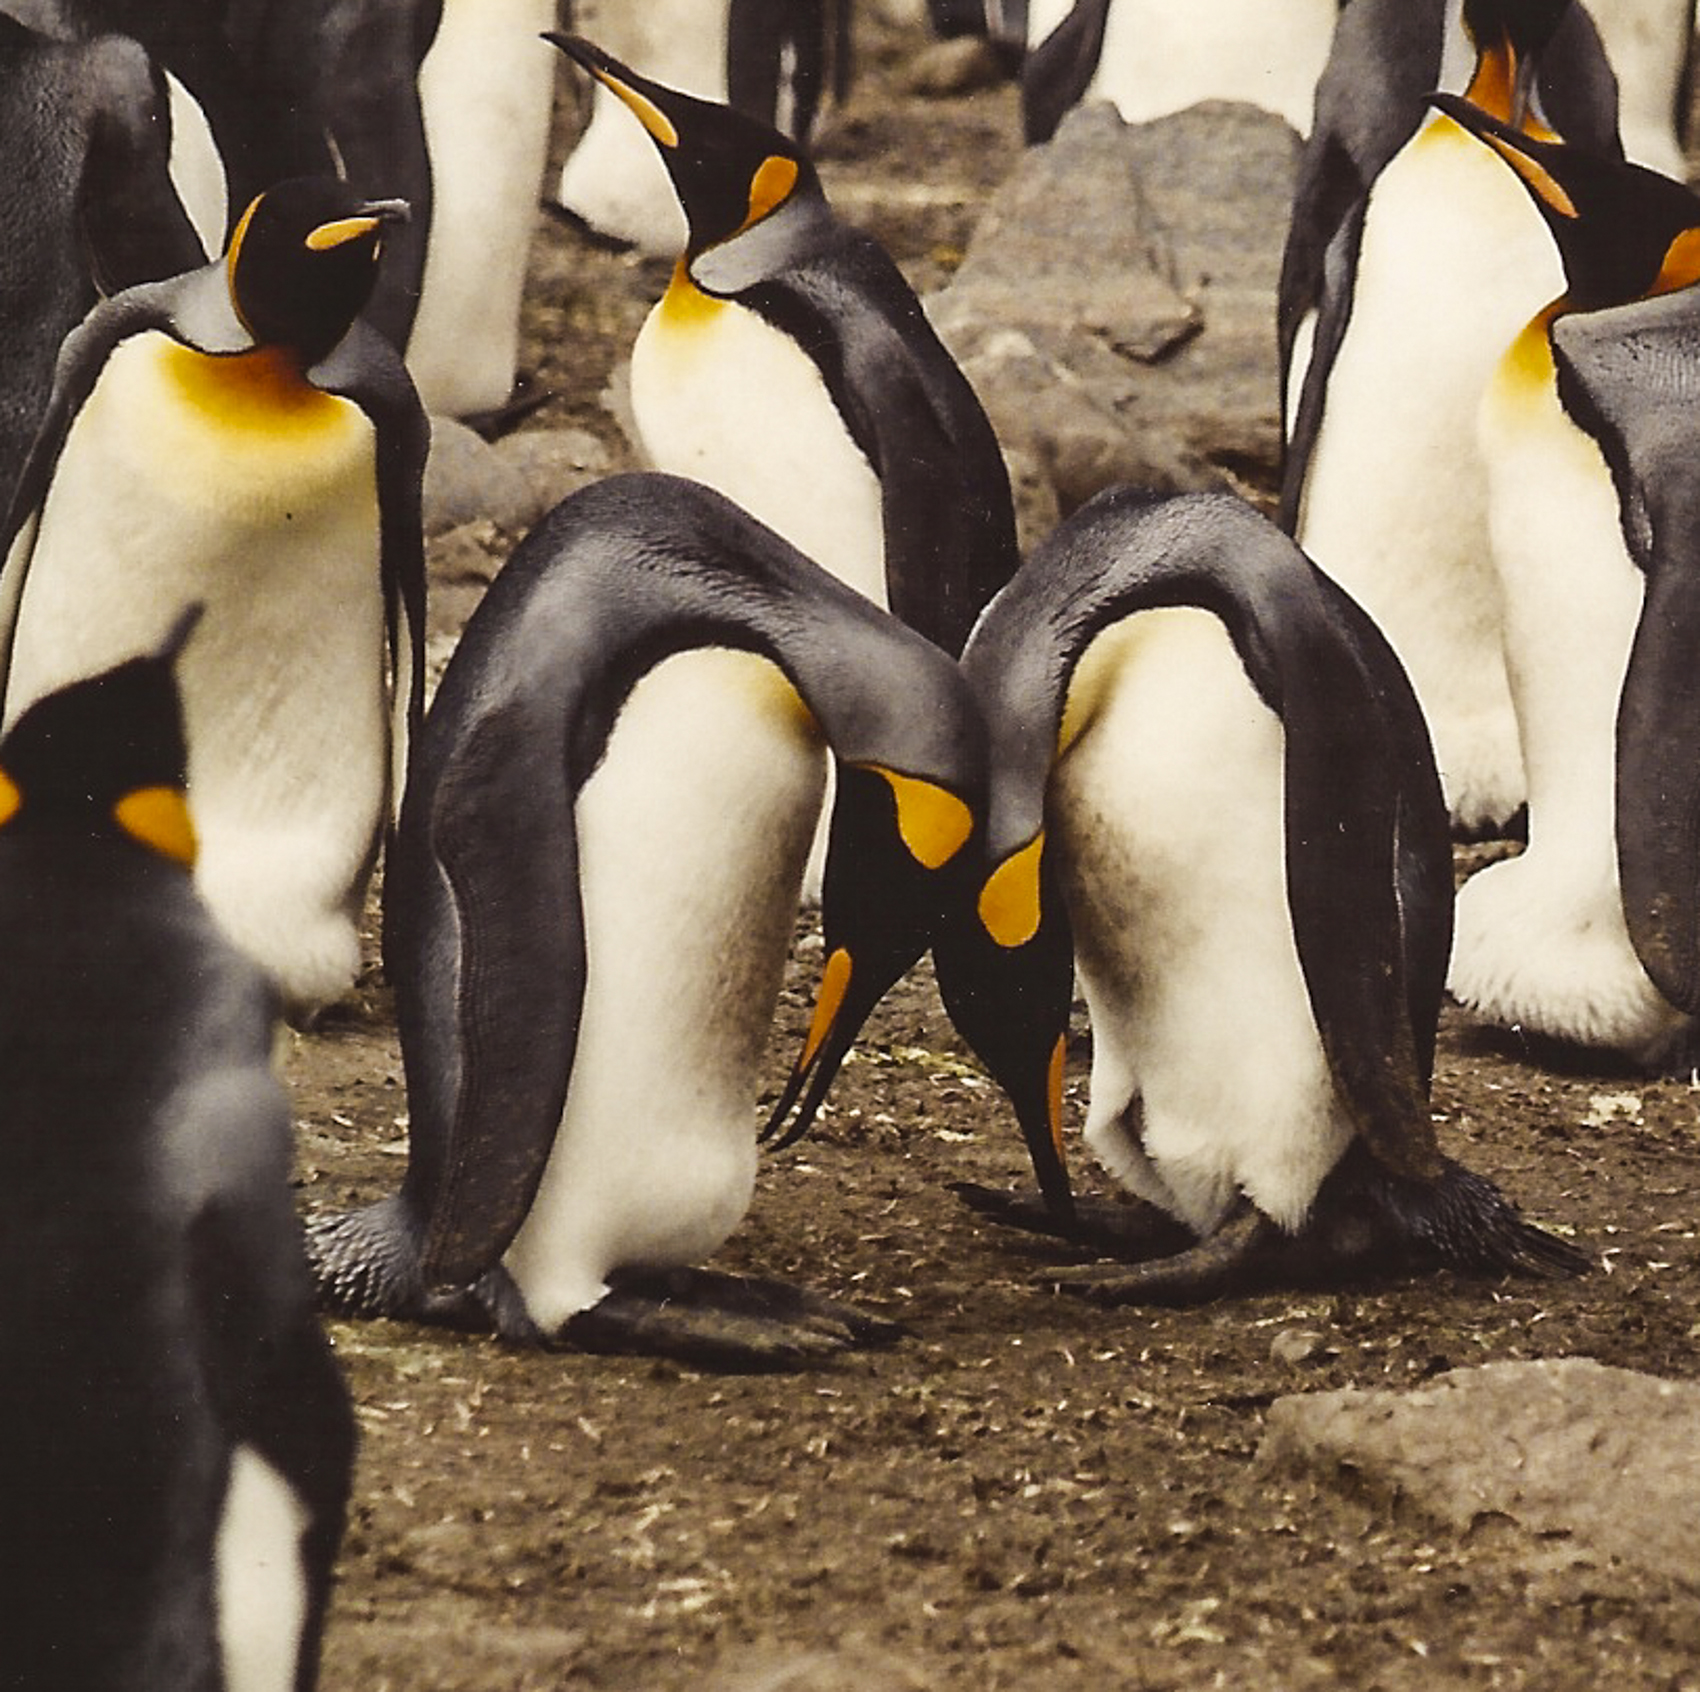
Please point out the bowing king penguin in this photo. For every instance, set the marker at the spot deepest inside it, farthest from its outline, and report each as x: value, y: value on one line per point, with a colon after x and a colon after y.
x: 589, y: 908
x: 1410, y: 263
x: 1598, y: 610
x: 234, y: 436
x: 175, y: 1439
x: 1212, y: 793
x: 790, y: 366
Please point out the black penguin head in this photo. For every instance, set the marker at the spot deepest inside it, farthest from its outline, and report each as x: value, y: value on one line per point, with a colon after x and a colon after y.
x: 106, y: 758
x: 1509, y: 38
x: 302, y: 262
x: 729, y: 170
x: 1624, y: 233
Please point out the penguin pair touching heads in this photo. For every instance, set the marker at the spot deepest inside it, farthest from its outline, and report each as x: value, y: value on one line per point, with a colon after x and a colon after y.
x: 177, y: 1441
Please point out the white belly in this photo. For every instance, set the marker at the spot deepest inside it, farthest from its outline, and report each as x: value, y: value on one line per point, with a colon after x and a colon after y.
x: 1208, y: 1075
x: 1541, y: 939
x: 614, y: 178
x: 1454, y: 262
x: 261, y: 1584
x: 691, y: 837
x: 722, y: 397
x: 487, y: 88
x: 1158, y: 57
x: 274, y: 527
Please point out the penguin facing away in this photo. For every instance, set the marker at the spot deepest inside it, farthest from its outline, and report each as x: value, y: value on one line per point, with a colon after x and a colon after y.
x: 178, y: 1442
x: 87, y: 191
x: 791, y: 367
x: 589, y: 908
x: 1211, y: 783
x: 1587, y: 937
x: 1149, y: 58
x: 233, y: 436
x: 1415, y: 265
x: 777, y: 60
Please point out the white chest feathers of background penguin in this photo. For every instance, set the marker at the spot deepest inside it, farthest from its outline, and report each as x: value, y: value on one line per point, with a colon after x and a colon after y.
x: 715, y: 766
x: 1453, y: 262
x: 230, y: 481
x: 1541, y: 938
x: 701, y: 365
x: 1208, y: 1074
x: 1158, y: 57
x: 487, y: 90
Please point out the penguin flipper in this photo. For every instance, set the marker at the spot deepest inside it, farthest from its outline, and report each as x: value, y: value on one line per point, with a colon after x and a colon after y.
x: 365, y: 368
x: 1630, y: 376
x: 740, y: 1324
x: 1057, y: 71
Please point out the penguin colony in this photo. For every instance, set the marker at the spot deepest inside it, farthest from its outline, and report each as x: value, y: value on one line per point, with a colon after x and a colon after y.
x: 1206, y: 767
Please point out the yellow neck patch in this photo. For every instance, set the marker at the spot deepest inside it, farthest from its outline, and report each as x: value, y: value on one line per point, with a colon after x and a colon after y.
x: 1009, y: 901
x: 264, y: 389
x: 159, y: 818
x: 933, y: 824
x: 685, y: 306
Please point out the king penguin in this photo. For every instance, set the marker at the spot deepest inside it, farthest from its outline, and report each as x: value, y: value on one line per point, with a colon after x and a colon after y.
x: 487, y: 90
x: 176, y: 1444
x: 790, y: 366
x: 1595, y: 633
x: 1152, y: 57
x: 1211, y: 784
x: 89, y: 195
x: 1651, y: 45
x: 589, y: 908
x: 1410, y: 265
x: 234, y: 436
x: 775, y: 59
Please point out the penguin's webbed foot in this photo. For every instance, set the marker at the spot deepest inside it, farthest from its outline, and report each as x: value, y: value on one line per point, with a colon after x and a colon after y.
x: 733, y: 1323
x: 1245, y: 1251
x: 1128, y: 1229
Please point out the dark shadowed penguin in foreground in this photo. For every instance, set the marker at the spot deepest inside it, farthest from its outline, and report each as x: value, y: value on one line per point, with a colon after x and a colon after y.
x: 1410, y: 264
x: 589, y: 908
x: 1152, y: 57
x: 88, y: 198
x: 790, y: 366
x: 777, y: 60
x: 1211, y: 785
x: 175, y: 1439
x: 1590, y: 936
x: 234, y: 436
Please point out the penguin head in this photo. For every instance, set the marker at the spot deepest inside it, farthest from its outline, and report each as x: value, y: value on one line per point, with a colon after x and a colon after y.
x: 105, y: 758
x: 730, y: 171
x: 1623, y: 232
x: 302, y: 262
x: 1509, y: 37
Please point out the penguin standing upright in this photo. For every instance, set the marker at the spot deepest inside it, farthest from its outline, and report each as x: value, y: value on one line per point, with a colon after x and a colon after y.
x: 775, y: 59
x: 90, y: 200
x: 175, y: 1440
x: 487, y: 89
x: 589, y: 908
x: 233, y: 436
x: 790, y: 366
x: 1409, y: 267
x: 1601, y: 667
x: 1151, y: 57
x: 1208, y: 767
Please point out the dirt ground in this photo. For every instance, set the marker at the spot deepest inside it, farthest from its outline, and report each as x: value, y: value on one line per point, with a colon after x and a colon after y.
x: 1026, y: 1491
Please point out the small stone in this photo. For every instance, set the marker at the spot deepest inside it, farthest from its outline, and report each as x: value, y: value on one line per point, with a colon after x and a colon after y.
x: 1293, y: 1347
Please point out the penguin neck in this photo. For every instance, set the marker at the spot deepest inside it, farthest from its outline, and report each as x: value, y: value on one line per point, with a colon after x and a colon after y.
x: 1529, y: 363
x: 685, y: 306
x: 265, y: 387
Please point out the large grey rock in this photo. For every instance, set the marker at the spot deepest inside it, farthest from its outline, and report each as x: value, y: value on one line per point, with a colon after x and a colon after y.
x: 1116, y: 307
x: 1609, y: 1457
x: 466, y: 479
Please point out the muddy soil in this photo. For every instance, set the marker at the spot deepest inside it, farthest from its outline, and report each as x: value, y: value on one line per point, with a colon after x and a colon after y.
x: 1026, y: 1491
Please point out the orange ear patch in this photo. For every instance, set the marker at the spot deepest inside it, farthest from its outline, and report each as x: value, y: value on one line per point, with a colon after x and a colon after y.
x: 934, y: 824
x: 770, y: 187
x: 1681, y: 266
x: 11, y: 800
x: 159, y: 818
x: 1009, y: 901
